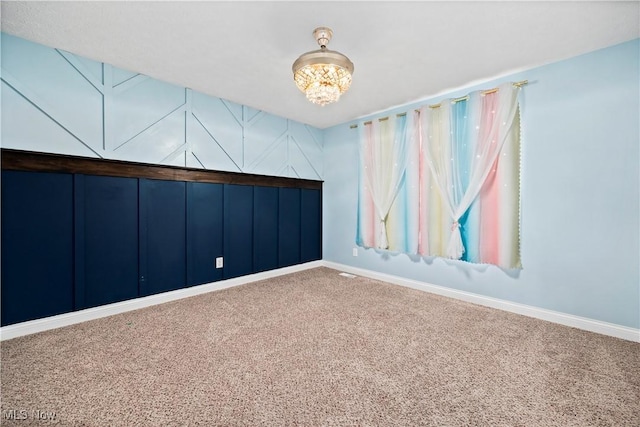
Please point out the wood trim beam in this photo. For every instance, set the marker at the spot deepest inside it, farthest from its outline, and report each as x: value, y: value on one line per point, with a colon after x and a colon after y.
x: 45, y: 162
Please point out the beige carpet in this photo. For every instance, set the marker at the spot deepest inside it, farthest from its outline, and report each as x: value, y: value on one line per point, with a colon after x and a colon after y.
x: 317, y: 349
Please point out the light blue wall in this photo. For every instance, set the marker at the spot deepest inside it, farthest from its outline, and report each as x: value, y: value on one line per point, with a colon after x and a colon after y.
x: 57, y: 102
x: 580, y: 194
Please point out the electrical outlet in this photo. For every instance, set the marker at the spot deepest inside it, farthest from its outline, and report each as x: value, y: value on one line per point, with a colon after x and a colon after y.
x: 355, y: 251
x: 219, y: 262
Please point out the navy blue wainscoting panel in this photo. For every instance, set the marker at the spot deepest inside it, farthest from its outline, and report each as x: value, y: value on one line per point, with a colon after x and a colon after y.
x: 265, y: 228
x: 37, y: 245
x: 162, y: 236
x: 106, y: 236
x: 289, y: 227
x: 311, y: 225
x: 238, y: 230
x: 204, y: 232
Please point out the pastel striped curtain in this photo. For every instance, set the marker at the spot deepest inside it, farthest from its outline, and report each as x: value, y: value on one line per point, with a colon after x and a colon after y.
x: 471, y: 148
x: 458, y: 191
x: 388, y: 193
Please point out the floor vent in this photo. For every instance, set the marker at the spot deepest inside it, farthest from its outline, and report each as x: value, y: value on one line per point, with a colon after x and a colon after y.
x: 350, y: 276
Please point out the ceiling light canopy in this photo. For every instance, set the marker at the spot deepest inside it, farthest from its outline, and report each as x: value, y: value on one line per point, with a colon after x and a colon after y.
x: 323, y: 75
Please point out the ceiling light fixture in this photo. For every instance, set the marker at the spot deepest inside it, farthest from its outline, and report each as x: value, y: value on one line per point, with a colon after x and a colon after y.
x: 323, y: 75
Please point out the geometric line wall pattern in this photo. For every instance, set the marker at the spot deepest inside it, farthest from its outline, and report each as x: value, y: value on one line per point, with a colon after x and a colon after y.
x: 57, y: 102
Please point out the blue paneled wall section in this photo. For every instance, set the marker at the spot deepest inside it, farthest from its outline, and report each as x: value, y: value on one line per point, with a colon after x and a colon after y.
x: 72, y: 241
x: 310, y: 227
x: 205, y: 231
x: 37, y: 245
x: 106, y: 239
x: 265, y: 226
x: 289, y: 227
x: 57, y: 102
x: 238, y: 231
x: 163, y: 235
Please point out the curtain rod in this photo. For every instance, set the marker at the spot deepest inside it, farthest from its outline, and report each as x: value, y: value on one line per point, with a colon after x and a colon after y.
x: 454, y: 100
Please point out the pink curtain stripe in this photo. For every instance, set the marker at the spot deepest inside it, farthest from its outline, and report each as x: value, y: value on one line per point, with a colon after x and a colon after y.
x: 370, y: 211
x: 489, y: 213
x: 490, y: 219
x: 423, y: 231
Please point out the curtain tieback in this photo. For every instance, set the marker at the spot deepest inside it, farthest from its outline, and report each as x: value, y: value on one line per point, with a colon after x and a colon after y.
x: 455, y: 248
x: 383, y: 242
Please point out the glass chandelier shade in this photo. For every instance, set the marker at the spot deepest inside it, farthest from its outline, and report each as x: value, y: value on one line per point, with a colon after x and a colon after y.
x: 323, y: 75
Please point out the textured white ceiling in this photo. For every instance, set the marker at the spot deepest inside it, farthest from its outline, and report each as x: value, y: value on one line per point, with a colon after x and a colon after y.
x: 402, y: 51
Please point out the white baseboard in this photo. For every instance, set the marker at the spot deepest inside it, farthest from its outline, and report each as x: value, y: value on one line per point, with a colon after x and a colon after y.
x: 66, y: 319
x: 611, y: 329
